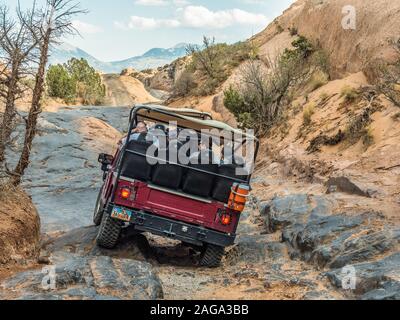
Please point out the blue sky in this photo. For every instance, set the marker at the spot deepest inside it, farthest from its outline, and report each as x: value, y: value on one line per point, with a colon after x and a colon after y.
x: 119, y: 29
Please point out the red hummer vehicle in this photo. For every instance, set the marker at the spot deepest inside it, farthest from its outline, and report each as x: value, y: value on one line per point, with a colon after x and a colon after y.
x: 196, y: 202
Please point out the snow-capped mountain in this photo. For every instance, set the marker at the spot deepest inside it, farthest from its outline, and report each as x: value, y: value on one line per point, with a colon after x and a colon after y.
x: 153, y: 58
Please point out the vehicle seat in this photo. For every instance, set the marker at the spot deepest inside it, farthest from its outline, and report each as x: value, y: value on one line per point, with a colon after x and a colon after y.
x: 136, y: 166
x: 168, y: 175
x: 199, y: 183
x: 223, y: 186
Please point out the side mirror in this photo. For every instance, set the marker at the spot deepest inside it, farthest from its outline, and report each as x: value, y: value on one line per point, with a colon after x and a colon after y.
x: 105, y: 159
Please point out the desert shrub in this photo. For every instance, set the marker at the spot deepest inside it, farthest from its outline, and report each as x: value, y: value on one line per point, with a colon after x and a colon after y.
x: 147, y: 71
x: 89, y: 83
x: 367, y: 136
x: 317, y: 81
x: 358, y: 127
x: 279, y: 28
x: 60, y: 84
x: 308, y: 112
x: 214, y: 62
x: 184, y: 84
x: 303, y: 47
x: 388, y: 82
x: 323, y: 96
x: 75, y: 80
x: 349, y: 94
x: 260, y: 99
x: 293, y: 31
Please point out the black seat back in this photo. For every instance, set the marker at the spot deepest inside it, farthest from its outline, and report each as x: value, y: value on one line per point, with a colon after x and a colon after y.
x: 200, y: 183
x: 136, y: 166
x: 223, y: 186
x: 169, y: 175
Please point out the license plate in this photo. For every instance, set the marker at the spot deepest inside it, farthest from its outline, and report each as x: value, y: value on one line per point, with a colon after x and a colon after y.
x: 121, y: 214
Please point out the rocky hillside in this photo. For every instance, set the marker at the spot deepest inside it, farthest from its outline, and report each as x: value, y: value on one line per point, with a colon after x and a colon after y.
x: 349, y: 51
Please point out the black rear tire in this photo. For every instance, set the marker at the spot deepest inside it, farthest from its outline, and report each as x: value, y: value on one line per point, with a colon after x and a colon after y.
x: 109, y: 232
x: 212, y: 256
x: 98, y: 210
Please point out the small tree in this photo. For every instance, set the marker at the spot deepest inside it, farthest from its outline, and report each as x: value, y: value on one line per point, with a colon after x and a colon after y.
x: 184, y: 84
x: 47, y: 26
x: 16, y: 51
x: 205, y: 57
x: 60, y: 84
x: 259, y: 101
x: 89, y: 86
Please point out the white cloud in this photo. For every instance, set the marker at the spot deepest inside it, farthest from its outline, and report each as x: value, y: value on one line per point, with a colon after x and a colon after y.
x: 201, y: 17
x: 196, y: 17
x: 86, y: 28
x: 143, y: 23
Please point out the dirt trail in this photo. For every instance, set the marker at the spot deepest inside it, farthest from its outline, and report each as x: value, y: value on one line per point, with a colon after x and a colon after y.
x: 125, y: 91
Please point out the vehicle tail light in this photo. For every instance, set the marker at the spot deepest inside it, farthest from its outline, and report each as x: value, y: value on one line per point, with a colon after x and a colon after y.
x: 127, y: 193
x: 238, y: 197
x: 226, y: 219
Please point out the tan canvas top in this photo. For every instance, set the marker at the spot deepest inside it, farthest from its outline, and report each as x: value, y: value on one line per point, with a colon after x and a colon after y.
x: 186, y: 118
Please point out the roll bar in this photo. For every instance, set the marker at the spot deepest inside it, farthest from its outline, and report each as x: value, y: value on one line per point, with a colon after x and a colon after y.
x: 133, y: 121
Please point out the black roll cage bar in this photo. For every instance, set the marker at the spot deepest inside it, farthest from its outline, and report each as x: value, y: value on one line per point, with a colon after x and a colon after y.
x: 133, y: 120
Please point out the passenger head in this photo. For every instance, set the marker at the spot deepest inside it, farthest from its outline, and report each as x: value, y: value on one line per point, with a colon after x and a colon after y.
x: 141, y: 127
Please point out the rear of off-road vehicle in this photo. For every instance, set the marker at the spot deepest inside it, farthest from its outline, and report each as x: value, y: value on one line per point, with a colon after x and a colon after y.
x: 197, y: 204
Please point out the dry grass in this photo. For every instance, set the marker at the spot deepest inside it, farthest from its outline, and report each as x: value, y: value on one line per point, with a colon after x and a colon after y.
x: 368, y: 137
x: 317, y: 81
x: 308, y: 113
x: 349, y: 94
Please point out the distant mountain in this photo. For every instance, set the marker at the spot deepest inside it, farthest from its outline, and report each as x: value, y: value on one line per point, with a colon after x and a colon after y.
x: 151, y: 59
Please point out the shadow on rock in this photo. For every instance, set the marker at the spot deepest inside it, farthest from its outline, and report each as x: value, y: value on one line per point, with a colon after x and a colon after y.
x: 87, y: 278
x: 316, y: 235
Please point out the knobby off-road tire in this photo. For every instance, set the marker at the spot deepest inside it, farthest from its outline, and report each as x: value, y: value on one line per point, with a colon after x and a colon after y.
x: 109, y: 232
x: 212, y: 256
x: 98, y: 210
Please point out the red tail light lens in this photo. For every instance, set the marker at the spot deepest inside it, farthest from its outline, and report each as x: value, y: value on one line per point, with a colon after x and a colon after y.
x: 125, y: 193
x: 226, y: 219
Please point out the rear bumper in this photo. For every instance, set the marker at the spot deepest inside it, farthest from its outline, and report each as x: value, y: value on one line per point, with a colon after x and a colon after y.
x: 177, y: 230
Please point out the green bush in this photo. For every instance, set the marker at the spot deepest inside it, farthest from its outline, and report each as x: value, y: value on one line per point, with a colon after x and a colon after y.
x: 60, y: 84
x: 75, y: 80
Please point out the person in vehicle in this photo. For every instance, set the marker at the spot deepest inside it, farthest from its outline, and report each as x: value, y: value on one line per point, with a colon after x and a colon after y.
x: 141, y: 128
